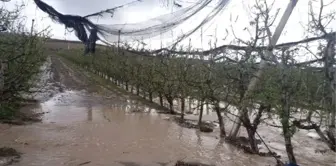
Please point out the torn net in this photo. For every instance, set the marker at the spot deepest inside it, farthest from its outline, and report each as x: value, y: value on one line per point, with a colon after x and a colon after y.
x: 162, y: 25
x: 110, y: 33
x: 152, y: 27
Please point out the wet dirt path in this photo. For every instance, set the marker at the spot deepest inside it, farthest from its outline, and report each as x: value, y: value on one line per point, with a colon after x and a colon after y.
x: 87, y: 124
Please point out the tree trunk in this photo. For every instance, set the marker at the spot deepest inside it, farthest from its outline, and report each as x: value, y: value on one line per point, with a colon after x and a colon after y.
x: 325, y: 139
x: 252, y: 128
x: 171, y: 107
x: 331, y: 83
x: 126, y: 84
x: 3, y: 67
x: 237, y: 125
x: 189, y: 104
x: 220, y: 120
x: 333, y: 113
x: 329, y: 104
x: 138, y: 90
x: 171, y: 104
x: 161, y: 99
x: 200, y: 114
x: 150, y: 95
x: 262, y: 65
x: 310, y: 113
x: 288, y: 143
x: 182, y: 108
x: 285, y: 114
x: 253, y: 142
x: 144, y: 94
x: 333, y: 119
x: 331, y: 135
x: 207, y: 108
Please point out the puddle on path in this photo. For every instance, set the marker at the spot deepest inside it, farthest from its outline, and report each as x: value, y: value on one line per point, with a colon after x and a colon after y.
x: 91, y: 130
x: 80, y: 128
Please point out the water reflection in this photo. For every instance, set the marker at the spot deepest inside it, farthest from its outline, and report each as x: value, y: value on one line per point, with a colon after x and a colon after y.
x: 90, y: 113
x: 114, y: 131
x: 198, y: 135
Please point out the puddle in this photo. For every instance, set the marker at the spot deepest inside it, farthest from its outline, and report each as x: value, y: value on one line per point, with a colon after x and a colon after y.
x: 84, y: 129
x: 81, y: 128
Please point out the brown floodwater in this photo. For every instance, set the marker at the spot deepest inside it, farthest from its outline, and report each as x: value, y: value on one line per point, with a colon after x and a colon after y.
x: 81, y: 128
x: 92, y: 130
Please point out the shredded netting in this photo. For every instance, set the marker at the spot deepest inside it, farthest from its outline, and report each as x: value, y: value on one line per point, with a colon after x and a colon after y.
x: 110, y: 33
x: 154, y: 26
x: 161, y: 25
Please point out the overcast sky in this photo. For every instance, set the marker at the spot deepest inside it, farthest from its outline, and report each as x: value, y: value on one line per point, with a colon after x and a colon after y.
x: 149, y: 8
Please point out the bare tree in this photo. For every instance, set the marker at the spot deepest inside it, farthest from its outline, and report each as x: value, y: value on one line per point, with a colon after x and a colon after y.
x: 272, y: 41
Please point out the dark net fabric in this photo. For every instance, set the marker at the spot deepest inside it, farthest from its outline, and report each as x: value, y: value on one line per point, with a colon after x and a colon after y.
x: 110, y: 33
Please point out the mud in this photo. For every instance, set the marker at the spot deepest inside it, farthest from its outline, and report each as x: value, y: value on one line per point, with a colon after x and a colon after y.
x: 6, y: 151
x: 87, y: 123
x: 192, y: 124
x: 24, y: 116
x: 8, y: 156
x: 182, y: 163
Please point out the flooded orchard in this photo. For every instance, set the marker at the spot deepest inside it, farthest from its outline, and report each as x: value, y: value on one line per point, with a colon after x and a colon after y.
x: 204, y: 83
x: 83, y: 127
x: 79, y: 128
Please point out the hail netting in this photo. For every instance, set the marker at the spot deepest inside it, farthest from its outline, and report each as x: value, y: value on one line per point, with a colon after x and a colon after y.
x: 161, y: 25
x: 136, y: 31
x: 152, y: 27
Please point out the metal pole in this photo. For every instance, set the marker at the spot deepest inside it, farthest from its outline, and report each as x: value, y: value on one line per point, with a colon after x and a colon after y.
x: 263, y: 63
x: 32, y: 27
x: 118, y: 41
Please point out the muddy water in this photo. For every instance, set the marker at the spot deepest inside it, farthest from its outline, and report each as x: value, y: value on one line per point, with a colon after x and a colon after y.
x: 80, y: 128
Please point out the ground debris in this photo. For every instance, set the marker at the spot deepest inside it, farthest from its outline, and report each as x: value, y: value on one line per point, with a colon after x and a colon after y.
x: 204, y: 127
x: 23, y: 118
x: 183, y: 163
x: 12, y: 121
x: 322, y: 151
x: 84, y: 163
x: 6, y: 152
x: 241, y: 143
x: 8, y: 156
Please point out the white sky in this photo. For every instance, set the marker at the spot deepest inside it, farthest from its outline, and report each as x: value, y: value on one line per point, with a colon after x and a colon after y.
x: 149, y: 8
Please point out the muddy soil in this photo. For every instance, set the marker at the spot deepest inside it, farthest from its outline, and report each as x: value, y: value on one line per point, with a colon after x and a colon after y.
x: 86, y: 123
